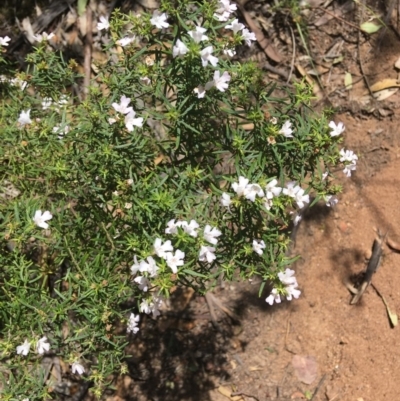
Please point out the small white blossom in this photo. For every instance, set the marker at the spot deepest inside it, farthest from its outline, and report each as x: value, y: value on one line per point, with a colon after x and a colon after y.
x: 207, y: 57
x: 291, y: 189
x: 222, y: 17
x: 348, y: 169
x: 173, y: 261
x: 292, y: 291
x: 219, y: 81
x: 150, y: 266
x: 229, y: 52
x: 103, y: 24
x: 24, y: 348
x: 240, y: 187
x: 336, y: 129
x: 287, y: 277
x: 286, y: 129
x: 179, y: 49
x: 224, y: 10
x: 211, y: 234
x: 273, y: 297
x: 207, y: 254
x: 258, y: 246
x: 77, y: 368
x: 324, y: 175
x: 44, y: 36
x: 40, y: 219
x: 46, y: 102
x: 4, y: 41
x: 273, y: 120
x: 61, y: 131
x: 135, y: 267
x: 18, y: 82
x: 112, y: 121
x: 225, y: 200
x: 131, y: 121
x: 349, y: 156
x: 331, y: 200
x: 297, y: 219
x: 190, y: 228
x: 133, y: 323
x: 301, y: 198
x: 172, y: 226
x: 24, y: 118
x: 122, y: 106
x: 127, y: 40
x: 235, y: 26
x: 159, y: 20
x: 272, y: 190
x: 144, y: 306
x: 200, y: 91
x: 248, y: 36
x: 198, y: 34
x: 267, y: 203
x: 42, y: 346
x: 142, y: 282
x: 253, y: 190
x: 162, y: 248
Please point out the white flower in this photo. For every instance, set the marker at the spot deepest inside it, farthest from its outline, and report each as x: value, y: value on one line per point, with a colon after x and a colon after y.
x: 133, y: 323
x: 229, y: 52
x: 287, y: 277
x: 200, y: 91
x: 273, y: 120
x: 324, y: 175
x: 348, y: 155
x: 40, y: 219
x: 190, y: 228
x: 172, y: 227
x: 112, y: 121
x: 222, y: 17
x: 135, y: 267
x: 173, y: 261
x: 103, y: 24
x: 122, y: 107
x: 336, y: 129
x: 225, y: 200
x: 248, y: 36
x: 127, y: 40
x: 198, y: 34
x: 131, y: 121
x: 143, y: 283
x: 273, y: 297
x: 286, y: 129
x: 207, y: 57
x: 348, y: 169
x: 219, y: 81
x: 18, y: 82
x: 179, y: 49
x: 150, y: 266
x: 301, y: 198
x: 144, y: 306
x: 159, y: 20
x: 291, y: 189
x: 161, y: 249
x: 77, y: 368
x: 4, y: 41
x: 211, y: 234
x: 24, y: 117
x: 44, y: 36
x: 258, y: 246
x: 146, y: 80
x: 42, y: 346
x: 331, y: 200
x: 235, y: 26
x: 61, y: 131
x: 226, y: 7
x: 24, y: 348
x: 292, y: 291
x: 156, y: 304
x: 272, y: 190
x: 207, y: 254
x: 253, y: 190
x: 240, y: 187
x: 46, y: 102
x: 297, y: 219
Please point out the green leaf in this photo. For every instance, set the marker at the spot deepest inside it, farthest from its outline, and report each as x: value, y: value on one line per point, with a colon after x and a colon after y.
x: 370, y: 27
x: 82, y: 7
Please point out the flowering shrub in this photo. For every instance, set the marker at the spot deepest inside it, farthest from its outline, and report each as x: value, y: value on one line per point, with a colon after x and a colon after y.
x: 179, y: 168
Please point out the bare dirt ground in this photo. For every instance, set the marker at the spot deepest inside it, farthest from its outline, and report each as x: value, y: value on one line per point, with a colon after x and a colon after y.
x: 354, y: 347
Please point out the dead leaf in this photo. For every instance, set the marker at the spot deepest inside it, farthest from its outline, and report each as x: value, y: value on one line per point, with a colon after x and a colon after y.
x: 385, y: 84
x: 394, y: 246
x: 305, y: 368
x: 385, y: 93
x: 227, y: 391
x: 392, y: 315
x: 348, y: 81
